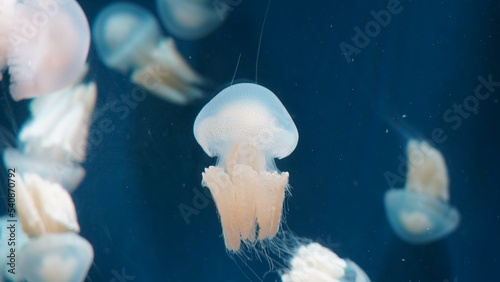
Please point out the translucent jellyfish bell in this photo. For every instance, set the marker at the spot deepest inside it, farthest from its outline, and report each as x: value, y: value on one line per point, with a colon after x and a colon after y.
x: 56, y: 257
x: 127, y: 37
x: 7, y: 8
x: 49, y: 43
x: 246, y: 127
x: 420, y: 213
x: 313, y: 262
x: 191, y: 19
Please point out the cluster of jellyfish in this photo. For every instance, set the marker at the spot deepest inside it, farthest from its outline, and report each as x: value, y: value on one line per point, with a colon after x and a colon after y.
x: 245, y: 126
x: 44, y: 46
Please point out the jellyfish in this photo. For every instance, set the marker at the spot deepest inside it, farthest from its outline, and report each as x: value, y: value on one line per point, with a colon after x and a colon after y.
x: 7, y: 8
x: 47, y: 165
x: 127, y: 37
x: 56, y: 257
x: 420, y: 213
x: 313, y: 262
x: 246, y: 127
x: 44, y: 206
x: 192, y: 19
x: 52, y: 147
x: 48, y: 46
x: 53, y: 142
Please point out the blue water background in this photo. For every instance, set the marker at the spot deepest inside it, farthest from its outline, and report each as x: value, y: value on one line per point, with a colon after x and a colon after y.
x: 354, y: 119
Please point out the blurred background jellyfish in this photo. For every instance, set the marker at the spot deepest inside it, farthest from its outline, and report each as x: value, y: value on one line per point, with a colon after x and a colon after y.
x: 246, y: 127
x: 53, y: 145
x: 7, y: 8
x: 54, y: 141
x: 313, y: 262
x: 44, y: 206
x: 45, y: 169
x: 48, y: 45
x: 192, y: 19
x: 420, y: 213
x: 128, y: 36
x: 61, y: 257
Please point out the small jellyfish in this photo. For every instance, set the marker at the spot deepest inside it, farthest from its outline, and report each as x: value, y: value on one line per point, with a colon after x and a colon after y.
x: 56, y: 257
x: 313, y: 262
x: 192, y: 19
x: 128, y: 36
x: 420, y: 213
x: 48, y: 46
x: 246, y: 127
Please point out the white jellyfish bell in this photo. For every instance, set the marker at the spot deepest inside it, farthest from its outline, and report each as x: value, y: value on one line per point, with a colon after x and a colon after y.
x: 420, y: 213
x: 246, y: 127
x: 192, y: 19
x: 56, y: 257
x: 313, y: 262
x: 6, y: 19
x: 48, y: 43
x: 128, y: 37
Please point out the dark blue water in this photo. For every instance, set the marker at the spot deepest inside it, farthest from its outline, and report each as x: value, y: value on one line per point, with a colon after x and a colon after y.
x: 354, y: 118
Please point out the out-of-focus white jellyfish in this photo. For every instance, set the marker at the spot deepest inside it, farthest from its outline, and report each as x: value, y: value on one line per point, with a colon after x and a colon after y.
x: 191, y: 19
x: 246, y: 127
x: 56, y: 257
x: 420, y: 213
x: 128, y: 37
x: 313, y: 262
x: 48, y: 45
x: 44, y: 206
x: 6, y: 19
x: 54, y: 141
